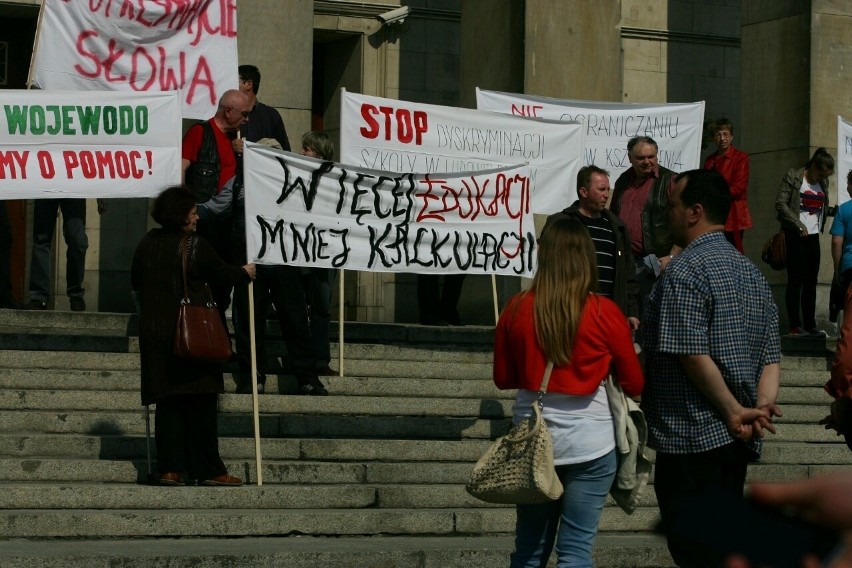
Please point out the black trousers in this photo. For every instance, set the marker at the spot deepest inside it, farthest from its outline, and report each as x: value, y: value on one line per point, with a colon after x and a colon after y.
x: 186, y: 436
x: 5, y: 256
x: 435, y: 303
x: 680, y: 476
x: 283, y: 287
x: 803, y: 257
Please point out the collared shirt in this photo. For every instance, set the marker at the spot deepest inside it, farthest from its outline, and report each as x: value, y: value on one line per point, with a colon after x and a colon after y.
x: 632, y: 204
x: 191, y: 146
x: 709, y: 301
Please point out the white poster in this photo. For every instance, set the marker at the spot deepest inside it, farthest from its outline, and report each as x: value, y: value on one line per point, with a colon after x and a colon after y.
x: 96, y: 45
x: 405, y: 137
x: 844, y: 157
x: 88, y: 144
x: 676, y: 127
x: 305, y: 212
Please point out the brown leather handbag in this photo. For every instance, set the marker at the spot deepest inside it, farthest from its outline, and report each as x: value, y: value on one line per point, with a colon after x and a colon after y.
x: 774, y: 252
x: 200, y: 333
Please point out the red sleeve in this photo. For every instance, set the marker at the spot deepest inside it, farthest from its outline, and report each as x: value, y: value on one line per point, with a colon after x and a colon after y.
x: 505, y: 371
x: 739, y: 176
x: 625, y: 362
x: 191, y: 144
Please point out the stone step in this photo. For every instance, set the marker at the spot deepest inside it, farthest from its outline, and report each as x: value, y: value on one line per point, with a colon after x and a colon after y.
x: 55, y: 379
x: 127, y: 523
x: 378, y: 425
x: 431, y: 367
x: 292, y: 425
x: 612, y: 550
x: 276, y: 471
x: 112, y: 324
x: 69, y: 401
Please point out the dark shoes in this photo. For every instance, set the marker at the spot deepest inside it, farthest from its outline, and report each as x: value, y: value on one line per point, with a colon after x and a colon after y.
x: 327, y: 372
x: 223, y: 480
x: 37, y: 305
x: 313, y: 389
x: 171, y: 479
x: 78, y: 304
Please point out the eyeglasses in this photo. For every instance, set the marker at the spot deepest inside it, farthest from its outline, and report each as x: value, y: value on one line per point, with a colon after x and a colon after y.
x: 245, y: 113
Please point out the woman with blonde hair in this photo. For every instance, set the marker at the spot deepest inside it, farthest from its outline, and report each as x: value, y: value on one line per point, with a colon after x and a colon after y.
x: 561, y: 319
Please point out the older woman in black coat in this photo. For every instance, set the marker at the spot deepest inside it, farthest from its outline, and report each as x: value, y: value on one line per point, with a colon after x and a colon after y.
x: 185, y: 391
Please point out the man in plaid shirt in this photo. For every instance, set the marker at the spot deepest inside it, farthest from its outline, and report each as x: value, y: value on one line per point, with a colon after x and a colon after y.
x: 711, y: 339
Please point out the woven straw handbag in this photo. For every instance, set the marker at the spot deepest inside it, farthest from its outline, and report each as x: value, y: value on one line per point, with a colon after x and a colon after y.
x: 518, y: 468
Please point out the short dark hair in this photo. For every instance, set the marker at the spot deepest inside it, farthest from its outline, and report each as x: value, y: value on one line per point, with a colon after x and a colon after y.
x: 640, y: 140
x: 821, y: 160
x: 250, y: 73
x: 849, y: 176
x: 584, y: 176
x: 319, y: 142
x: 722, y: 124
x: 172, y: 207
x: 708, y: 188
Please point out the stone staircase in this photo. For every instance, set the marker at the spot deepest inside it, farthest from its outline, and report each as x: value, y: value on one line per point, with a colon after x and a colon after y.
x: 371, y: 476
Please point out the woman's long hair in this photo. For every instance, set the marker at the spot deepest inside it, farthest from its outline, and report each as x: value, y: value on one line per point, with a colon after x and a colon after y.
x: 567, y: 273
x: 821, y: 160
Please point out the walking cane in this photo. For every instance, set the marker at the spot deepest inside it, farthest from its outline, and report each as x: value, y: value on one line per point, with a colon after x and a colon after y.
x: 148, y: 442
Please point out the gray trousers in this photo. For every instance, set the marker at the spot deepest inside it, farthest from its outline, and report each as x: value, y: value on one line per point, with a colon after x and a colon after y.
x: 74, y: 231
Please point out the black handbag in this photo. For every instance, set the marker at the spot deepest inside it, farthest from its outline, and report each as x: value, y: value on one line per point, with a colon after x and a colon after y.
x: 200, y: 334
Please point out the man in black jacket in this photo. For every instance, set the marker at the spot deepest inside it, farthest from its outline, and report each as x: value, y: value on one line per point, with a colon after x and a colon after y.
x: 616, y: 267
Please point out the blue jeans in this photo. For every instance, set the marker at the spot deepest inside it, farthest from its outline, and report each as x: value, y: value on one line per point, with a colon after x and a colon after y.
x: 571, y: 521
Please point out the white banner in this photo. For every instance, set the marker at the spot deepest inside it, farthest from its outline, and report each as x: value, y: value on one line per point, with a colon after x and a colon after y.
x: 405, y: 137
x: 88, y: 144
x: 675, y: 127
x: 306, y: 212
x: 142, y: 46
x: 844, y: 157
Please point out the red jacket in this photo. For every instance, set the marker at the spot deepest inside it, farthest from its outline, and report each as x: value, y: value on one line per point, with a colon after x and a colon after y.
x: 603, y: 341
x: 734, y: 168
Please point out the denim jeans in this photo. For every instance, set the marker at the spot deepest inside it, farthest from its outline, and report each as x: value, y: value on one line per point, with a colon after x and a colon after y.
x: 571, y: 521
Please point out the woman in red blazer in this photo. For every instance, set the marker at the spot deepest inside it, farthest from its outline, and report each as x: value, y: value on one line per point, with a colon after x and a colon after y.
x: 585, y: 335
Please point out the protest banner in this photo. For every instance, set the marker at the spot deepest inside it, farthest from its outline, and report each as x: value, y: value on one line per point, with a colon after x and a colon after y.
x: 844, y: 157
x: 141, y: 46
x: 88, y: 144
x: 676, y: 127
x: 306, y: 212
x: 405, y: 137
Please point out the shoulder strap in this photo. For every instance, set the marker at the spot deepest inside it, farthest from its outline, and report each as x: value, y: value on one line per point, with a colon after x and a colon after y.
x: 544, y: 381
x: 184, y: 252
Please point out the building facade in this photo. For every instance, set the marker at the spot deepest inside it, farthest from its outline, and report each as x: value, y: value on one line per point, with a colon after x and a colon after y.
x: 779, y: 69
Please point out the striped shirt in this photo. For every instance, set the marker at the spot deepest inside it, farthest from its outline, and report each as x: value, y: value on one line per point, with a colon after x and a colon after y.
x: 603, y: 238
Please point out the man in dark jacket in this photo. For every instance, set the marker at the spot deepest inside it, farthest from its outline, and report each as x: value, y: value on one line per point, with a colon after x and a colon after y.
x: 616, y: 267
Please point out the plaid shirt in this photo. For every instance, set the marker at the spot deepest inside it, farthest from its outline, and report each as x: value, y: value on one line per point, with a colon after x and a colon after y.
x: 711, y: 300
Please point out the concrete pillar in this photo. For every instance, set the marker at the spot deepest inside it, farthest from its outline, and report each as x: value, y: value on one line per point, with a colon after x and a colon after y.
x: 573, y: 49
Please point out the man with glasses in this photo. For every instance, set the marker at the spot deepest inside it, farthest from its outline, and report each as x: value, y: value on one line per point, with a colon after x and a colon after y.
x: 208, y: 164
x: 733, y: 165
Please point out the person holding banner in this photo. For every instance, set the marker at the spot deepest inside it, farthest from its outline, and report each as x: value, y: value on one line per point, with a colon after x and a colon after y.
x: 616, y: 267
x: 802, y: 205
x: 640, y: 199
x: 318, y: 281
x: 733, y: 165
x: 209, y: 163
x: 185, y: 391
x: 561, y: 319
